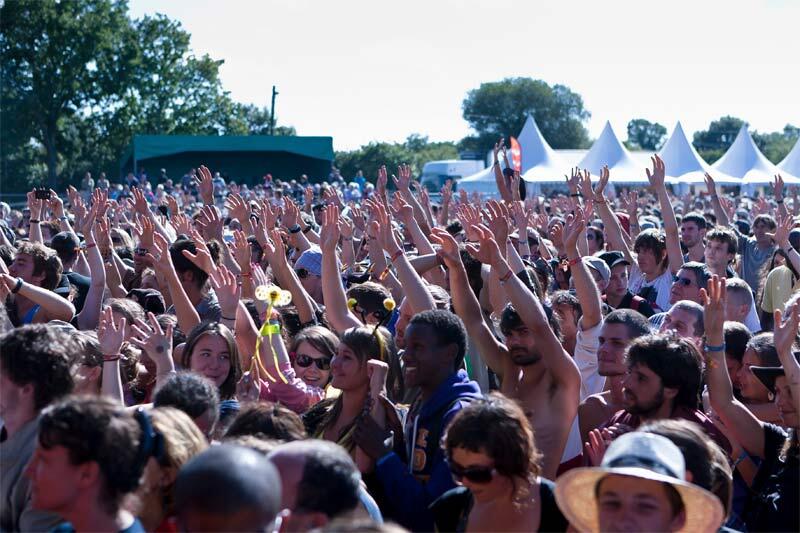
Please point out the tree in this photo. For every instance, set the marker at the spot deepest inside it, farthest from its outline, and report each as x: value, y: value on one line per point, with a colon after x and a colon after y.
x: 57, y: 59
x: 499, y: 109
x: 645, y: 135
x: 719, y: 136
x: 777, y: 144
x: 415, y: 151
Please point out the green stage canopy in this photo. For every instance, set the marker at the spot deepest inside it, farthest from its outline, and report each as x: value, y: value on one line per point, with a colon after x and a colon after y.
x: 242, y: 158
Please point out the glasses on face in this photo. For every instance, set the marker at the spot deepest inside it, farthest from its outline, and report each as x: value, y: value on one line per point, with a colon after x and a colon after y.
x: 683, y: 281
x: 305, y: 361
x: 474, y: 474
x: 590, y: 236
x: 302, y: 273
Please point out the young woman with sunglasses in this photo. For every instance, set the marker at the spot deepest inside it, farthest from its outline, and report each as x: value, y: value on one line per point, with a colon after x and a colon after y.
x: 492, y: 454
x: 307, y: 369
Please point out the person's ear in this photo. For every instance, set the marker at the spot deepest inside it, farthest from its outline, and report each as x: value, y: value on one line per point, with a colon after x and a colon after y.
x: 670, y: 393
x: 88, y: 474
x: 95, y: 373
x: 678, y: 521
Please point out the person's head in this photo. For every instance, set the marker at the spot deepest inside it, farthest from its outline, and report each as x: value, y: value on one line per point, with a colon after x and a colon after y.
x: 568, y: 310
x: 693, y: 229
x: 721, y: 246
x: 739, y: 300
x: 440, y: 297
x: 90, y: 452
x: 369, y: 297
x: 308, y: 268
x: 775, y: 380
x: 67, y: 246
x: 519, y: 339
x: 692, y: 277
x: 706, y: 464
x: 664, y: 373
x: 599, y: 271
x: 36, y: 264
x: 737, y: 336
x: 491, y: 450
x: 227, y: 488
x: 619, y: 328
x: 191, y: 276
x: 617, y: 285
x: 435, y: 346
x: 193, y: 394
x: 357, y: 346
x: 180, y: 440
x: 89, y: 373
x: 686, y: 319
x: 763, y: 225
x: 639, y: 486
x: 651, y: 251
x: 760, y: 351
x: 128, y: 309
x: 267, y: 421
x: 211, y: 351
x: 319, y: 481
x: 312, y: 351
x: 36, y: 367
x: 595, y: 240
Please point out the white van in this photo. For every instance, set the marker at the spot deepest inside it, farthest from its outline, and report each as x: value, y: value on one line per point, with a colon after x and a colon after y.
x: 436, y: 173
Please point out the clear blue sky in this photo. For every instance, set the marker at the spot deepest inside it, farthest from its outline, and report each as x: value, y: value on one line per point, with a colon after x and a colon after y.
x: 362, y: 71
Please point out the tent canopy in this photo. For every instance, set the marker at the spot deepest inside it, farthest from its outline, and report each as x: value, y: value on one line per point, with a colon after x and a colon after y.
x: 744, y: 160
x: 684, y: 165
x: 607, y: 150
x: 791, y: 163
x: 241, y: 157
x: 540, y: 163
x: 482, y: 182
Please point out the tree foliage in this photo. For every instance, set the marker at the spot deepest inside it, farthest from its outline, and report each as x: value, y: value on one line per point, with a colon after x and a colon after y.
x: 712, y: 143
x: 81, y: 78
x: 499, y: 109
x: 645, y: 135
x: 777, y: 144
x: 415, y: 151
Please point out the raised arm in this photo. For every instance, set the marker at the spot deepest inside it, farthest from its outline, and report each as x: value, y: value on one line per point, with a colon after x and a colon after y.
x: 614, y: 233
x: 111, y: 334
x: 786, y: 327
x: 585, y: 286
x: 499, y: 178
x: 162, y: 262
x: 719, y: 211
x: 743, y: 425
x: 466, y: 305
x: 778, y: 188
x: 54, y: 306
x: 657, y: 180
x: 781, y: 238
x: 89, y: 316
x: 157, y: 343
x: 403, y: 183
x: 36, y: 208
x: 339, y: 314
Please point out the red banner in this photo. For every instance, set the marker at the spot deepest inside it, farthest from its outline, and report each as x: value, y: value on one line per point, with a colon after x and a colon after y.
x: 516, y: 155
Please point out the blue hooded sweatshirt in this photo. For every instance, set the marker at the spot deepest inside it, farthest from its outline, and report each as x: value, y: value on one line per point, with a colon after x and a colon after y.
x: 411, y: 487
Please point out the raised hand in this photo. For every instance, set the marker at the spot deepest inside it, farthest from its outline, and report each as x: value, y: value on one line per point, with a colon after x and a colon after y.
x: 146, y: 237
x: 358, y: 218
x: 159, y: 257
x: 601, y: 184
x: 238, y: 208
x: 384, y: 231
x: 497, y: 147
x: 205, y: 184
x: 574, y: 227
x: 377, y: 371
x: 786, y: 325
x: 403, y: 179
x: 448, y: 251
x: 402, y: 209
x: 34, y: 204
x: 381, y: 182
x: 291, y: 213
x: 156, y: 342
x: 711, y: 187
x: 210, y: 223
x: 656, y: 178
x: 346, y: 227
x: 487, y: 252
x: 182, y: 224
x: 595, y: 449
x: 330, y: 232
x: 497, y: 221
x: 308, y: 197
x: 228, y: 290
x: 782, y: 230
x: 777, y: 186
x: 269, y: 215
x: 172, y: 205
x: 56, y: 204
x: 585, y: 179
x: 514, y: 184
x: 111, y: 333
x: 202, y: 259
x: 241, y: 250
x: 573, y: 180
x: 630, y: 202
x: 714, y: 297
x: 447, y: 192
x: 139, y: 202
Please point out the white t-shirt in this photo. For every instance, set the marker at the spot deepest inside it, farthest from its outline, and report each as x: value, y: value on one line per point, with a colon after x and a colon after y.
x: 586, y: 345
x: 662, y: 285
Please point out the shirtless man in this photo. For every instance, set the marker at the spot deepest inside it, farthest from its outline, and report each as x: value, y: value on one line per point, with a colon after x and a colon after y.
x: 620, y: 327
x: 532, y: 364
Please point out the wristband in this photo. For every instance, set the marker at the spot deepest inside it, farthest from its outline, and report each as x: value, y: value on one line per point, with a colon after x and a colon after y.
x: 395, y: 256
x: 307, y: 229
x: 709, y: 348
x: 506, y: 276
x: 295, y: 229
x: 575, y: 195
x: 247, y: 274
x: 88, y: 246
x: 779, y: 201
x: 573, y: 262
x: 34, y: 221
x: 227, y: 317
x: 18, y: 286
x: 111, y: 358
x: 271, y: 329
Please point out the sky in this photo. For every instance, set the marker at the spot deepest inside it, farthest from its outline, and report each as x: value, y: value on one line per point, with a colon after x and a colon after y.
x: 363, y: 71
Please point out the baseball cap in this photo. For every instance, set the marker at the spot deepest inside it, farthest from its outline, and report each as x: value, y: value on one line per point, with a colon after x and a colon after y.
x: 613, y: 258
x: 597, y: 264
x: 311, y: 260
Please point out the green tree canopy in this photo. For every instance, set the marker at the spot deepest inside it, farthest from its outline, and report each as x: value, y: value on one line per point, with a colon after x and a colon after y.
x: 645, y: 135
x: 777, y: 144
x: 719, y: 136
x: 415, y: 151
x: 499, y: 109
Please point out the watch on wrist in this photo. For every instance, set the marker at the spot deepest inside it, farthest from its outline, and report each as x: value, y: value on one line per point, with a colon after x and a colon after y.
x: 295, y: 229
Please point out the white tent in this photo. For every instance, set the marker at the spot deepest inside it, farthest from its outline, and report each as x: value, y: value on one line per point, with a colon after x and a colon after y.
x: 684, y: 165
x: 791, y: 163
x: 607, y: 150
x: 744, y: 160
x: 540, y: 163
x: 482, y: 182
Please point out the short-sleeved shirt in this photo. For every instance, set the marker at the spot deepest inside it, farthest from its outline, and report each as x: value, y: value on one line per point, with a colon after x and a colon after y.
x: 655, y: 292
x: 778, y: 288
x: 753, y: 258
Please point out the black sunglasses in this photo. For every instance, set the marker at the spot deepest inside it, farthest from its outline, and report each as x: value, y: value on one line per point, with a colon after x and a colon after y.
x: 475, y: 474
x: 302, y: 273
x: 683, y: 281
x: 305, y: 361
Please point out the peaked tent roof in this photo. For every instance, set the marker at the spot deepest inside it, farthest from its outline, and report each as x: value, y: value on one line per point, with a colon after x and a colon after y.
x: 540, y: 163
x: 684, y: 164
x: 791, y: 163
x: 482, y: 181
x: 607, y: 150
x: 744, y: 160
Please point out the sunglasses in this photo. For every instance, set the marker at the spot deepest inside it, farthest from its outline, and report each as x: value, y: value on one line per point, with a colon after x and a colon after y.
x: 683, y: 281
x: 305, y: 361
x: 475, y: 474
x: 302, y: 273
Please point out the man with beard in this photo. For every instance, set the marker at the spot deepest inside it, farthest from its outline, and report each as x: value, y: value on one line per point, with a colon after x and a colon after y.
x: 663, y: 380
x: 620, y: 328
x: 532, y: 363
x: 693, y: 232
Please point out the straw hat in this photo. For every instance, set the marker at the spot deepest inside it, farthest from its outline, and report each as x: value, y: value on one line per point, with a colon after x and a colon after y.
x: 645, y: 456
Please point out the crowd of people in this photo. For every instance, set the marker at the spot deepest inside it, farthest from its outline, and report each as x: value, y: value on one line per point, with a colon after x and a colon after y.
x: 289, y: 356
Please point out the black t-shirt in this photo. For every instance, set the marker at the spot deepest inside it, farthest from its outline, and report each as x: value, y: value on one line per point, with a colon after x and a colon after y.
x: 637, y: 303
x: 775, y: 491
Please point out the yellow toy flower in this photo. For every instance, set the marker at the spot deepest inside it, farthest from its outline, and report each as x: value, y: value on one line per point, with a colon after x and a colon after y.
x: 351, y: 303
x: 389, y: 304
x: 274, y: 295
